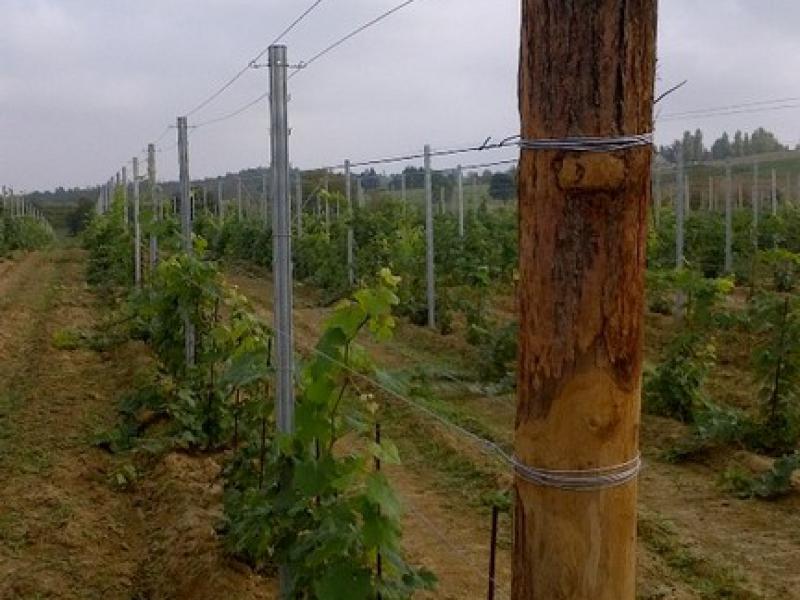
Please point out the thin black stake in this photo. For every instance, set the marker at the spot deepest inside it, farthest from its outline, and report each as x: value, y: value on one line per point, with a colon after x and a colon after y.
x: 493, y: 553
x: 236, y: 420
x: 378, y: 558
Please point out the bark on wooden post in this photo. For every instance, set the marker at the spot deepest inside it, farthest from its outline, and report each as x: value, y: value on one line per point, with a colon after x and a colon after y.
x: 586, y: 69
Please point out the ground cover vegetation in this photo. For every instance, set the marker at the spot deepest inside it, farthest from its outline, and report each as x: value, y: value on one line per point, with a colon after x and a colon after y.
x: 312, y: 500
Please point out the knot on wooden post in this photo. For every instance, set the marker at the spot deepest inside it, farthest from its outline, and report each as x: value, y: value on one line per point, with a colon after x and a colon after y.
x: 590, y: 173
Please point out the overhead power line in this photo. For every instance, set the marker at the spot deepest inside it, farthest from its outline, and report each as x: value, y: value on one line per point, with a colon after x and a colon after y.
x: 258, y: 56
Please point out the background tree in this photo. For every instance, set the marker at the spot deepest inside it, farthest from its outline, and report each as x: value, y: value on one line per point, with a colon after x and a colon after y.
x: 502, y: 186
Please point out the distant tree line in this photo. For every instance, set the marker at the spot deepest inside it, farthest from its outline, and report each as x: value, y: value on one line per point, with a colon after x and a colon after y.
x: 741, y: 144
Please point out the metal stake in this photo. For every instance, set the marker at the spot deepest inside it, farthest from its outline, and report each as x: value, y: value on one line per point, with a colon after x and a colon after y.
x: 756, y: 208
x: 137, y: 231
x: 186, y: 226
x: 348, y: 192
x: 728, y: 219
x: 298, y: 196
x: 429, y: 269
x: 460, y: 184
x: 154, y: 202
x: 282, y: 248
x: 680, y: 210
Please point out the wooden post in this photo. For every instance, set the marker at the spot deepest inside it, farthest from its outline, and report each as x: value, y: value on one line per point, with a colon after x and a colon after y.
x: 586, y: 69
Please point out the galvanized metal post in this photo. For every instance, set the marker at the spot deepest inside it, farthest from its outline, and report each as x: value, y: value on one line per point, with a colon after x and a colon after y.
x: 282, y: 240
x: 403, y: 198
x: 740, y: 201
x: 460, y: 185
x: 657, y: 198
x: 348, y: 195
x: 239, y: 197
x: 774, y: 193
x: 728, y: 218
x: 282, y: 251
x: 264, y: 201
x: 680, y: 211
x: 429, y: 252
x: 219, y: 198
x: 298, y: 197
x: 687, y: 192
x: 186, y: 226
x: 155, y: 203
x: 755, y: 201
x: 137, y: 231
x: 124, y: 184
x: 328, y: 205
x: 710, y: 193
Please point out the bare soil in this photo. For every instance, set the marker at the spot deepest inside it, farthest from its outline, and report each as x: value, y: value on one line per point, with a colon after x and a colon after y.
x: 696, y: 540
x: 66, y: 531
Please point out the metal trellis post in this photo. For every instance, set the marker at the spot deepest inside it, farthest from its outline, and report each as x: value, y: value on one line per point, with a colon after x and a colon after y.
x: 137, y: 231
x: 680, y: 210
x: 154, y: 202
x: 348, y: 195
x: 282, y: 249
x: 186, y: 226
x: 728, y: 219
x: 429, y: 267
x: 460, y: 184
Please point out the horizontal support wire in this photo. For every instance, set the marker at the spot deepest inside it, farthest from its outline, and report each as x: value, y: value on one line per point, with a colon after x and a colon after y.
x: 588, y: 143
x: 577, y: 480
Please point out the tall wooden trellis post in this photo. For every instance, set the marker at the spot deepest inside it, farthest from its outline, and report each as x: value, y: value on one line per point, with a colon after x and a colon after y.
x: 583, y: 232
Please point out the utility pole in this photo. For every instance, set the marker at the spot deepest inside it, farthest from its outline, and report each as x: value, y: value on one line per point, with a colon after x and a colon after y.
x: 429, y: 252
x: 460, y: 186
x: 680, y: 210
x: 282, y: 251
x: 137, y: 231
x: 728, y: 218
x: 186, y: 227
x: 583, y: 233
x: 441, y: 200
x: 360, y: 192
x: 155, y: 203
x: 348, y: 196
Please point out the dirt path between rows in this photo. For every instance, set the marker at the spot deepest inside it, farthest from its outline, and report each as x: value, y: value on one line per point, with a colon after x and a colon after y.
x: 64, y: 533
x: 66, y: 530
x: 697, y: 542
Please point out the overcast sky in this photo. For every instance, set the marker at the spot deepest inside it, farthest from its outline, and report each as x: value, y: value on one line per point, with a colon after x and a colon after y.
x: 85, y: 84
